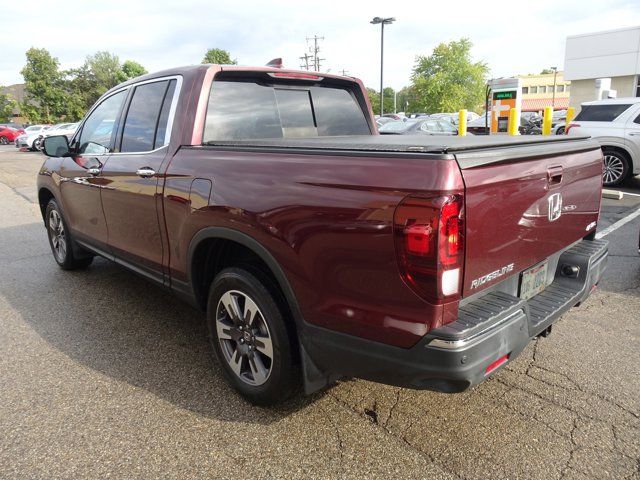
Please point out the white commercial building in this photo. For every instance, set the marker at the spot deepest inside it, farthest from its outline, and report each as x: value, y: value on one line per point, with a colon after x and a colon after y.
x: 603, y: 64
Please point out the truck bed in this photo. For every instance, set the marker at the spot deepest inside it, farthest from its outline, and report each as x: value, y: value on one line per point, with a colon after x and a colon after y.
x: 469, y: 151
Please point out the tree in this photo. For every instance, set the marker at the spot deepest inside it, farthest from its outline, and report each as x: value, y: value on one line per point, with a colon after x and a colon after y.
x: 129, y: 70
x: 45, y: 96
x: 105, y: 68
x: 546, y: 71
x: 447, y: 80
x: 82, y: 91
x: 7, y: 104
x: 219, y: 56
x: 374, y: 98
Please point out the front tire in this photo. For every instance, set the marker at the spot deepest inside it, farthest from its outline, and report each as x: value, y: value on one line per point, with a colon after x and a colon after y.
x: 616, y: 167
x: 250, y: 338
x: 60, y: 240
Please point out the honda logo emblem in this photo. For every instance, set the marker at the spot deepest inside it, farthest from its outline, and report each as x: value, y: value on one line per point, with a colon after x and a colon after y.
x: 555, y: 206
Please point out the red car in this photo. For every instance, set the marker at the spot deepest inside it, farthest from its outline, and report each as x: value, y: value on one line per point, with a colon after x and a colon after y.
x: 8, y: 135
x: 319, y: 249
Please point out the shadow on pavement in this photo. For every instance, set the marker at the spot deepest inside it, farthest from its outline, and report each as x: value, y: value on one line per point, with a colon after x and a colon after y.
x: 110, y: 320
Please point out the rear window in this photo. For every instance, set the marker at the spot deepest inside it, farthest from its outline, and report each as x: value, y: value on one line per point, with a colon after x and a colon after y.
x: 601, y: 113
x: 240, y: 110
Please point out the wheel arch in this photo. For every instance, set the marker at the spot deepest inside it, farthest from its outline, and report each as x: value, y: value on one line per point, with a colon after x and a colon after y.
x: 202, y: 240
x: 45, y: 195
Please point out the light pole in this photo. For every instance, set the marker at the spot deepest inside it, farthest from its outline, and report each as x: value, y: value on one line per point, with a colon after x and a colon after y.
x: 382, y: 22
x: 553, y: 98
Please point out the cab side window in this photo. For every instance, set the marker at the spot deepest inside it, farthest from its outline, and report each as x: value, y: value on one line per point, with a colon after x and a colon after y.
x: 145, y: 125
x: 98, y: 129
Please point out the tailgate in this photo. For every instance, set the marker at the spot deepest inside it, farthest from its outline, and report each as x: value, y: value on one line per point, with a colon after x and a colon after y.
x: 522, y: 208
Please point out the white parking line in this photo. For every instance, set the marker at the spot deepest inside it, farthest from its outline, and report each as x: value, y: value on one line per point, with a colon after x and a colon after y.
x: 618, y: 224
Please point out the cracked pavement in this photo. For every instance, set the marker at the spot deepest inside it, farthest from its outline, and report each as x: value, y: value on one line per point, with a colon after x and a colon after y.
x: 105, y: 375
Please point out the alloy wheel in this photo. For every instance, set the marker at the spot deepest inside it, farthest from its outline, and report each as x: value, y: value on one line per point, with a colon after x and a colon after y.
x: 57, y: 236
x: 613, y: 169
x: 244, y: 337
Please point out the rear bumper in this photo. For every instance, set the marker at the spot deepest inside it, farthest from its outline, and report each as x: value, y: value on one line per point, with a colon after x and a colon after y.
x: 456, y: 356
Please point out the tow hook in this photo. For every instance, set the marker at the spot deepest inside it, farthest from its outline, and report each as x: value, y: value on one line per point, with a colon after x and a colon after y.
x: 546, y: 332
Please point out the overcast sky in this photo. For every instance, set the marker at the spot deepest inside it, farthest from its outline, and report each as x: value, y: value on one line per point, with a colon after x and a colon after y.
x: 513, y: 38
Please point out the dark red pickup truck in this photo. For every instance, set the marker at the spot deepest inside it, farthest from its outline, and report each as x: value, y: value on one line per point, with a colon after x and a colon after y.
x: 319, y: 249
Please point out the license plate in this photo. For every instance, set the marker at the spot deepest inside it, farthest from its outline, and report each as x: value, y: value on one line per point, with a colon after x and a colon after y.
x: 533, y: 281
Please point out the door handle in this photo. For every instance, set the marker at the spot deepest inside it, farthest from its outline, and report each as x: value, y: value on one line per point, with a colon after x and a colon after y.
x: 633, y: 134
x: 146, y: 172
x: 94, y: 171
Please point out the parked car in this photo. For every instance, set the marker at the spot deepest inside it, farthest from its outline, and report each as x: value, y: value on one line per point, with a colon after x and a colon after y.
x: 318, y: 249
x: 384, y: 120
x: 419, y: 126
x: 615, y: 124
x: 8, y: 135
x: 454, y: 118
x: 481, y: 125
x: 66, y: 129
x: 14, y: 125
x: 30, y: 136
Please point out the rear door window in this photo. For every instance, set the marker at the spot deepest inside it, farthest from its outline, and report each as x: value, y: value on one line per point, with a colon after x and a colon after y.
x: 241, y: 110
x: 142, y: 120
x: 601, y: 113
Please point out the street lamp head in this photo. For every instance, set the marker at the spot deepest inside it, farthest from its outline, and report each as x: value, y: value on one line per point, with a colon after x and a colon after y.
x: 385, y: 21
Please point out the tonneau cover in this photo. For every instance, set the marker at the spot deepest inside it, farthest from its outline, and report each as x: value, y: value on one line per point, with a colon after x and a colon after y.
x: 404, y: 143
x: 470, y: 151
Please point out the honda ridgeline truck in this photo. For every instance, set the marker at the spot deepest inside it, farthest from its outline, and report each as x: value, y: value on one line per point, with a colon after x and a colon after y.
x: 319, y: 249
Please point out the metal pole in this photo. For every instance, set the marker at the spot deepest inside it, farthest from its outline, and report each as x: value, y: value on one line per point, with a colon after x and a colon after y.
x: 553, y: 98
x: 381, y: 67
x: 395, y: 100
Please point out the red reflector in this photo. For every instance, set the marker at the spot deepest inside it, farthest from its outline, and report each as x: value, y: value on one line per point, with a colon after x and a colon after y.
x: 418, y: 238
x: 306, y: 76
x: 496, y: 364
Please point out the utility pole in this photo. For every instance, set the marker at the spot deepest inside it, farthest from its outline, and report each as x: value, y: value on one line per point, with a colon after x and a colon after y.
x: 305, y: 61
x: 315, y: 50
x: 345, y: 73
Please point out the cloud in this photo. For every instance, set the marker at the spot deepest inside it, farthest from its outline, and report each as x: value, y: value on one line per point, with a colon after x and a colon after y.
x: 515, y: 38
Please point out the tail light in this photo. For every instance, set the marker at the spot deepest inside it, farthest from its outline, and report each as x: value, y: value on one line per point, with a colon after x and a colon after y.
x: 569, y: 127
x: 429, y: 238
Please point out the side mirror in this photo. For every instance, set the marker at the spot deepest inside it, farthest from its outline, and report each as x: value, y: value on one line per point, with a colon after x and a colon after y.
x: 56, y: 146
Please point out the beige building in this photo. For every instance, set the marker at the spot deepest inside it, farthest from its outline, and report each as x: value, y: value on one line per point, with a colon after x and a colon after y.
x: 537, y: 92
x: 603, y: 65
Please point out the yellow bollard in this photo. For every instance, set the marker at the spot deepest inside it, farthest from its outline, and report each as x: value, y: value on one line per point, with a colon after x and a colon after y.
x: 571, y: 112
x: 462, y: 123
x: 512, y: 126
x: 546, y: 121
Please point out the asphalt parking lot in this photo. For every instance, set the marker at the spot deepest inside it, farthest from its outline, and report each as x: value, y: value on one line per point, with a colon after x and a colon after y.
x: 104, y: 375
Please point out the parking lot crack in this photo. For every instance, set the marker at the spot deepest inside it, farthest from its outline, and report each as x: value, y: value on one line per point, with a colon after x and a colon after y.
x: 393, y: 407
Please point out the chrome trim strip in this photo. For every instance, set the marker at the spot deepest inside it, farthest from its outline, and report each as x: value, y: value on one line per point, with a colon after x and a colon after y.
x: 465, y: 342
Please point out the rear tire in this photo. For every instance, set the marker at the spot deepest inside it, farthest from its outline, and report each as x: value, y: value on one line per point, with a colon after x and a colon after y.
x: 60, y: 240
x: 616, y: 167
x: 4, y: 140
x: 250, y: 338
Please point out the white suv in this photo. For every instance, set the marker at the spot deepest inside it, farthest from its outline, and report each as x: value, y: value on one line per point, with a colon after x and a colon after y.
x: 616, y: 125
